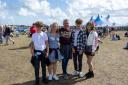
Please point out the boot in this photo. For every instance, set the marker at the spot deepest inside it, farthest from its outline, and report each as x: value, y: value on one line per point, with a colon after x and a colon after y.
x: 90, y: 75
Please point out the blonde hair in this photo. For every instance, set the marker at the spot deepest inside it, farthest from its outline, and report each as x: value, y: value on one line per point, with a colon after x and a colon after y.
x: 52, y: 26
x: 92, y: 27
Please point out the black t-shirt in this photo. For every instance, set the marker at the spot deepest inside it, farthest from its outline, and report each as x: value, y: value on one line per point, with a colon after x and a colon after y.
x: 65, y: 36
x: 7, y: 31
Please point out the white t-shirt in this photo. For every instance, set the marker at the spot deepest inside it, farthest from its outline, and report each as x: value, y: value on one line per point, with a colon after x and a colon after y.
x: 93, y: 40
x: 39, y: 40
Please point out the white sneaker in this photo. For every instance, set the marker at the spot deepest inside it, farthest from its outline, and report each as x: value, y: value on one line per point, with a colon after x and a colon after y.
x: 81, y: 75
x: 55, y: 77
x: 50, y: 77
x: 75, y: 73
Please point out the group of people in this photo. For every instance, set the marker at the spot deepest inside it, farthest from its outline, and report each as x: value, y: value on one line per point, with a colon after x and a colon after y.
x: 6, y: 34
x: 61, y: 45
x: 103, y: 32
x: 115, y: 37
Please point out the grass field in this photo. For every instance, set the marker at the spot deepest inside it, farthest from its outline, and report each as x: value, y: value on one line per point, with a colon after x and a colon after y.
x: 110, y: 64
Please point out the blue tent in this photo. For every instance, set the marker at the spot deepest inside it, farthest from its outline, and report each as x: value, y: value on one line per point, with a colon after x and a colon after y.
x: 108, y: 20
x: 92, y: 19
x: 108, y: 17
x: 98, y: 21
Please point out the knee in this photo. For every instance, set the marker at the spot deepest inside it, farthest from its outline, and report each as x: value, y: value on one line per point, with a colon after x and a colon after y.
x: 89, y: 62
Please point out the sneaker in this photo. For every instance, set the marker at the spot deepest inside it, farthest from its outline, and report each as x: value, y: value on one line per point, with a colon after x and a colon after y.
x: 75, y: 73
x: 50, y: 77
x: 55, y: 77
x: 81, y: 75
x: 65, y: 76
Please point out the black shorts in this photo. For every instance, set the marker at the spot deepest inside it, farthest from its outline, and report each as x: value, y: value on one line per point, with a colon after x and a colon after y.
x: 90, y: 53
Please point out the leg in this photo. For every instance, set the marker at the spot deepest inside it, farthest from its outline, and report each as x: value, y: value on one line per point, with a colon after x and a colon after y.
x: 90, y: 74
x: 64, y: 65
x: 54, y: 71
x: 80, y: 57
x: 50, y: 69
x: 11, y: 39
x: 6, y: 38
x: 54, y: 68
x: 64, y: 52
x: 75, y: 61
x: 37, y: 65
x: 43, y: 65
x: 89, y: 61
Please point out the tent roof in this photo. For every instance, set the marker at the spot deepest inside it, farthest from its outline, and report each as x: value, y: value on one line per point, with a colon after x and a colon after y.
x: 98, y: 20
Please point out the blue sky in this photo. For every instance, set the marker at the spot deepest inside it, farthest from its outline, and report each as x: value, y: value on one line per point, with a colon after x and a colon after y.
x: 48, y: 11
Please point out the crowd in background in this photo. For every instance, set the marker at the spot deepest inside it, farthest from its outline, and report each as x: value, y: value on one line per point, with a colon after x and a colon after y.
x: 6, y: 34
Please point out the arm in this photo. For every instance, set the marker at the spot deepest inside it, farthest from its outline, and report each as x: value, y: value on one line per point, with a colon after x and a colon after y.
x: 71, y: 40
x: 31, y: 45
x: 84, y: 39
x: 47, y: 48
x: 95, y: 42
x: 99, y: 40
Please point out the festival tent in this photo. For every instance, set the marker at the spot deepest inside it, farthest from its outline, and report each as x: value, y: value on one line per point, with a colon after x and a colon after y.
x: 92, y: 19
x: 108, y: 21
x: 99, y: 21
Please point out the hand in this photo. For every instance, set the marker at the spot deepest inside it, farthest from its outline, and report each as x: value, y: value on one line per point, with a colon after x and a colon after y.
x: 47, y: 54
x: 32, y: 54
x: 73, y: 50
x: 81, y: 51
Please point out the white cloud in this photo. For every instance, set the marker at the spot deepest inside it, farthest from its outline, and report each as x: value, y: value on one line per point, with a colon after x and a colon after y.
x: 87, y: 8
x: 26, y: 12
x: 5, y: 18
x: 74, y: 9
x: 38, y: 6
x: 3, y: 11
x: 42, y: 7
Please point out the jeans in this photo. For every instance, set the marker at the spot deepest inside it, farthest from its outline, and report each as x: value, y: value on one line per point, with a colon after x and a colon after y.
x: 66, y: 52
x: 64, y: 65
x: 77, y: 60
x: 37, y: 60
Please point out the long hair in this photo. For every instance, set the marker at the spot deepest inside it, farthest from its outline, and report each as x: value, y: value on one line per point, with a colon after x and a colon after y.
x: 90, y: 25
x: 52, y: 26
